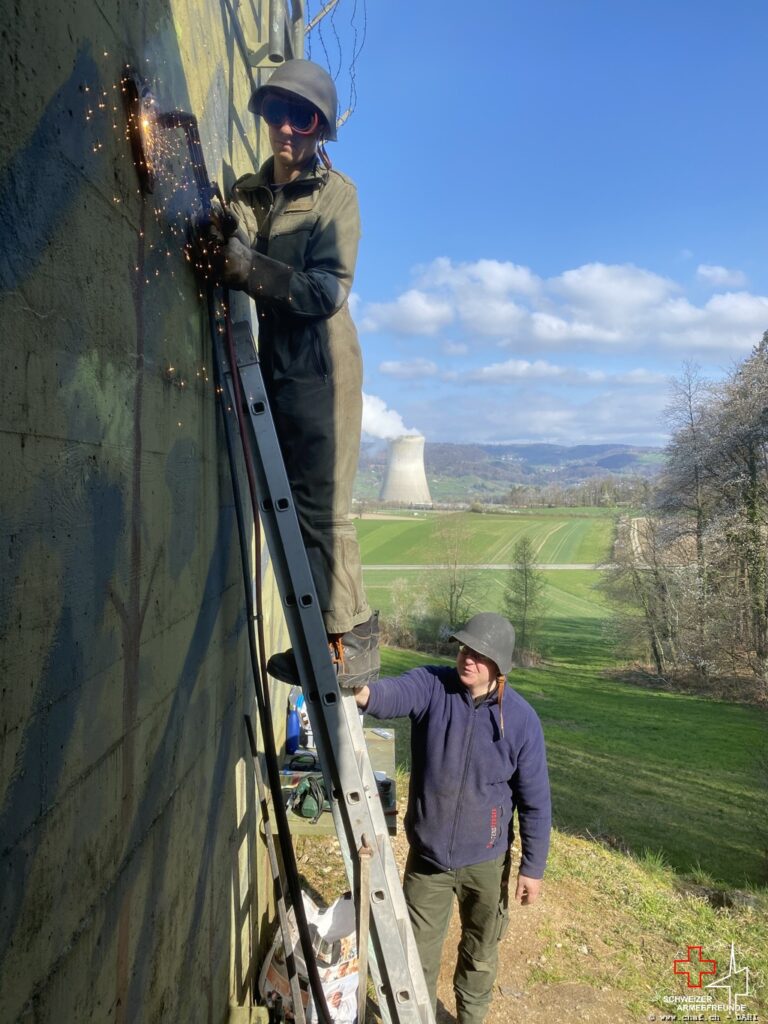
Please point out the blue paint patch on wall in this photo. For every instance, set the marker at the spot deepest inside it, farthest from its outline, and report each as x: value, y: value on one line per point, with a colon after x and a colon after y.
x: 162, y: 768
x: 43, y: 179
x: 152, y: 814
x: 75, y: 647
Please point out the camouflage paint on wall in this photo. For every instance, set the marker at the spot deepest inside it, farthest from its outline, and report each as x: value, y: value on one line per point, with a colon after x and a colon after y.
x: 126, y: 811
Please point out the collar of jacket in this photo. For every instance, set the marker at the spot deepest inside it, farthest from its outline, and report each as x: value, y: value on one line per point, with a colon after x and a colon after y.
x: 313, y: 176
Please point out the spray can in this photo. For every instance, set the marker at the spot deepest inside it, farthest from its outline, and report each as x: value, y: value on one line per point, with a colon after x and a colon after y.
x: 292, y: 727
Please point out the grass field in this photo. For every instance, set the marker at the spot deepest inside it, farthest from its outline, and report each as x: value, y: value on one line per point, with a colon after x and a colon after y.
x: 658, y: 797
x: 577, y: 618
x: 646, y: 771
x: 649, y: 770
x: 559, y: 536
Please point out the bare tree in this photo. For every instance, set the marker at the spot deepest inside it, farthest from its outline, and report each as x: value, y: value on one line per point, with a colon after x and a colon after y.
x: 403, y: 624
x: 454, y: 581
x: 699, y: 573
x: 641, y: 585
x: 739, y: 477
x: 524, y: 596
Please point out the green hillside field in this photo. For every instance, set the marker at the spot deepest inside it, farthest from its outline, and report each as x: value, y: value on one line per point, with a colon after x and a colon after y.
x: 659, y: 798
x: 559, y: 536
x: 676, y: 774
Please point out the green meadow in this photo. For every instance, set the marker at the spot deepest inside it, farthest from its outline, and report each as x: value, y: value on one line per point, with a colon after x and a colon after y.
x: 559, y: 536
x: 668, y: 775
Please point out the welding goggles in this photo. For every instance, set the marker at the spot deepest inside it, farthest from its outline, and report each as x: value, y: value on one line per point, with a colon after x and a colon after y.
x: 302, y: 118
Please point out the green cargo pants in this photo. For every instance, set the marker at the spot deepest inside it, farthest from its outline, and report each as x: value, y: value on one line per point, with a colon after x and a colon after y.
x: 429, y: 894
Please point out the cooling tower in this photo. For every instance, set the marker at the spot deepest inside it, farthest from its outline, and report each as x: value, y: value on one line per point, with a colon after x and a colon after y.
x: 406, y: 481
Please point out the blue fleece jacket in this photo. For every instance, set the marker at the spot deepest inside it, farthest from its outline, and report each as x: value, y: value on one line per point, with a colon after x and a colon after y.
x: 466, y: 778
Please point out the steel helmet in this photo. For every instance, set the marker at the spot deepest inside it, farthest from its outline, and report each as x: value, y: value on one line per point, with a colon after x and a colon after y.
x: 307, y: 81
x: 491, y: 635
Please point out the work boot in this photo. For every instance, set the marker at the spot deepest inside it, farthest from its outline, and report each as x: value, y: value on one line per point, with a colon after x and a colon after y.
x: 356, y: 654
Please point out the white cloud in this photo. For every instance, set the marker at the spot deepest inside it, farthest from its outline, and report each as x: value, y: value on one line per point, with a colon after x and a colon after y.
x: 635, y: 417
x: 607, y: 305
x: 455, y: 348
x: 381, y: 421
x: 491, y: 316
x: 721, y: 277
x: 731, y: 322
x: 413, y: 312
x: 521, y: 369
x: 556, y: 330
x: 494, y: 277
x: 607, y: 294
x: 739, y: 307
x: 641, y: 376
x: 409, y: 368
x: 517, y: 369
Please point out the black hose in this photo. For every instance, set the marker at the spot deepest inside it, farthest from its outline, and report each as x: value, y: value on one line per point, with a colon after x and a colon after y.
x: 258, y: 665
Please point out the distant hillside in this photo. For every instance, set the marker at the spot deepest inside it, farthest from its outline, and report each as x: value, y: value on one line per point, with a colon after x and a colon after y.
x: 462, y: 471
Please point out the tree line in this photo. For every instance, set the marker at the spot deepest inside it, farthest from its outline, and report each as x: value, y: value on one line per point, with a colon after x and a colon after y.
x: 596, y: 492
x: 690, y: 568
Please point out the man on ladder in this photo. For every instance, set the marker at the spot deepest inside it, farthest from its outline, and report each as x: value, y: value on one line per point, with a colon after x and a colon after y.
x: 294, y: 253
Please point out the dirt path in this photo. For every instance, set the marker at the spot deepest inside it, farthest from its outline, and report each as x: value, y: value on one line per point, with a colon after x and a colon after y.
x: 531, y: 988
x: 561, y: 928
x: 518, y: 1000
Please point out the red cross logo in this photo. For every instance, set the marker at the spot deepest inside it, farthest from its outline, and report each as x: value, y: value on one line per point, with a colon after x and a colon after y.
x: 695, y: 969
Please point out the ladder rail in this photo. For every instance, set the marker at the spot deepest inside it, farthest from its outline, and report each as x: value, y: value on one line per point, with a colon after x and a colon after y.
x: 252, y: 582
x: 355, y: 803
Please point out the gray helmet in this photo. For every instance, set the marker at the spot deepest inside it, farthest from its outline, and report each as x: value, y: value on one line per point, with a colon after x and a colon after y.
x: 491, y: 635
x: 307, y: 81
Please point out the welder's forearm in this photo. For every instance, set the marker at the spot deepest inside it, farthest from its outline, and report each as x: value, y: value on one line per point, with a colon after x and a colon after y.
x: 268, y: 279
x: 312, y: 293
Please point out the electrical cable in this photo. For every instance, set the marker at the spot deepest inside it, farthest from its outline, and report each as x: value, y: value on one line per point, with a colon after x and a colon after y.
x: 256, y: 645
x: 356, y: 51
x: 335, y: 31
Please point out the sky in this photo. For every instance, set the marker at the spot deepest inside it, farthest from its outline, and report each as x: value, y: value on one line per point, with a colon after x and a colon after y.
x: 563, y: 201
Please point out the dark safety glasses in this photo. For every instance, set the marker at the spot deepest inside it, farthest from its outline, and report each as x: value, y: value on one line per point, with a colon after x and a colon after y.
x: 302, y: 118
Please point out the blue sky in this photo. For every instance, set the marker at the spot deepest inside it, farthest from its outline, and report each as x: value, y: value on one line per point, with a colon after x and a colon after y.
x: 562, y: 201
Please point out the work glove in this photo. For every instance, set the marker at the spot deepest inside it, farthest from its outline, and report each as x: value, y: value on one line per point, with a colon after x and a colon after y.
x: 204, y: 239
x: 215, y: 257
x: 223, y: 223
x: 233, y: 263
x: 207, y: 240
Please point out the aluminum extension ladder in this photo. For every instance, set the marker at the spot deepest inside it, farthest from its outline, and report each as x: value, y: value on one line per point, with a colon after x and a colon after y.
x: 333, y: 714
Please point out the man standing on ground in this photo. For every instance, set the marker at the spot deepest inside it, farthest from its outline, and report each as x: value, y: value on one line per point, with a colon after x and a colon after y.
x: 477, y: 754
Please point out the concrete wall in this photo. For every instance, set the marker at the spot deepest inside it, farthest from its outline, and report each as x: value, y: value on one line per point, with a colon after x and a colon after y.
x: 126, y: 809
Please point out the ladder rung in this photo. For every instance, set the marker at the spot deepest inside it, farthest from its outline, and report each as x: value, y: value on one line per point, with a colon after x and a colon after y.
x: 335, y: 720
